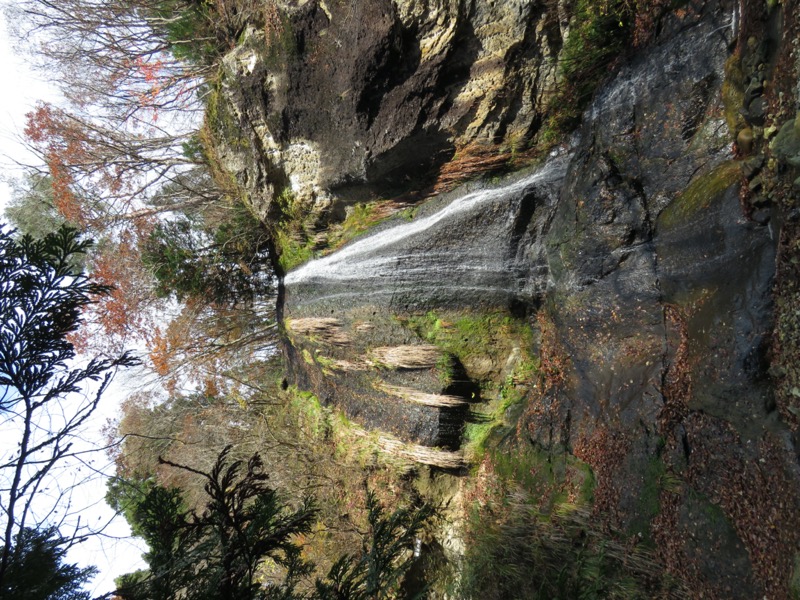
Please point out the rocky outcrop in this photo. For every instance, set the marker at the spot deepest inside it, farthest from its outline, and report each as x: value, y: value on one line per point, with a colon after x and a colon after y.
x: 334, y: 96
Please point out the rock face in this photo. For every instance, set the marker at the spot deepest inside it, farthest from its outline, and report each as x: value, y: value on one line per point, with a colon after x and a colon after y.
x: 628, y: 252
x: 379, y: 94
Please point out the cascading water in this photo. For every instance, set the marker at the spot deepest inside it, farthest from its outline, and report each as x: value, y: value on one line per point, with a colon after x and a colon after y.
x: 470, y: 252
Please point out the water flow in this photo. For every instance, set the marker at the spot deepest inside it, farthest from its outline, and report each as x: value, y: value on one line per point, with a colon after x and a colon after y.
x: 369, y: 256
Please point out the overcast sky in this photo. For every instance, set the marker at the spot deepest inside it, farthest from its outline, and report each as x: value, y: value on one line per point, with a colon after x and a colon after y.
x: 22, y: 88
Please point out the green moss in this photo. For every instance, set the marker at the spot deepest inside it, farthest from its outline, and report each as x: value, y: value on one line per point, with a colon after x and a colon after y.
x: 221, y: 120
x: 360, y: 219
x: 296, y: 246
x: 733, y: 94
x: 492, y: 416
x: 794, y: 583
x: 446, y: 368
x: 544, y: 476
x: 482, y: 344
x: 700, y: 193
x: 293, y: 252
x: 409, y: 213
x: 714, y: 513
x: 281, y: 42
x: 312, y: 416
x: 325, y: 361
x: 599, y: 31
x: 307, y: 357
x: 476, y: 439
x: 293, y: 244
x: 468, y: 336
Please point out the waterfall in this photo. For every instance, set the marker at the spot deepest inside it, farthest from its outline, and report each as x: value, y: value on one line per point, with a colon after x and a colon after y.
x: 467, y: 248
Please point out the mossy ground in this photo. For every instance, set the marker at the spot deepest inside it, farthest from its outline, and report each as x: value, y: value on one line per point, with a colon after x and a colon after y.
x: 530, y: 533
x: 341, y: 463
x: 482, y: 342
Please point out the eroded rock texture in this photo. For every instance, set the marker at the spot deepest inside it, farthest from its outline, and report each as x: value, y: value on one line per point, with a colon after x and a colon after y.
x: 336, y: 95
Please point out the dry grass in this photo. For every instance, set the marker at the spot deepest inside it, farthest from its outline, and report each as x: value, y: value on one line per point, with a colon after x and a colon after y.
x: 349, y: 366
x: 406, y: 357
x: 412, y: 395
x: 324, y: 330
x: 469, y: 162
x: 425, y: 455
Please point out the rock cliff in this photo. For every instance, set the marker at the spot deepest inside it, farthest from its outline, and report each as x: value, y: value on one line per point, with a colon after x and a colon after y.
x: 613, y: 301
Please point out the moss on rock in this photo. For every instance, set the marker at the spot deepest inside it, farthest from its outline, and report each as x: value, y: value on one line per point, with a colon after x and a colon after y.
x: 701, y: 193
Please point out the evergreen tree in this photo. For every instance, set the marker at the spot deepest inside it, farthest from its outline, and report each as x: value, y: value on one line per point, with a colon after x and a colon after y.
x: 378, y: 570
x: 36, y: 570
x: 217, y: 553
x: 32, y: 209
x: 41, y: 299
x: 224, y: 262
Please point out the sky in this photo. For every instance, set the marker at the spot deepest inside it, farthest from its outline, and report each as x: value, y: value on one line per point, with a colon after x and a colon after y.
x: 22, y: 88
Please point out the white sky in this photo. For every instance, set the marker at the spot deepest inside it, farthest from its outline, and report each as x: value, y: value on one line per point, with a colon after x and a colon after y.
x: 20, y: 91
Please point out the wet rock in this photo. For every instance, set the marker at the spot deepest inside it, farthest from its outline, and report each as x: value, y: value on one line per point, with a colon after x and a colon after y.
x: 756, y: 111
x: 632, y: 247
x: 761, y: 216
x: 754, y: 89
x: 786, y: 145
x: 579, y: 234
x: 482, y: 249
x: 752, y: 166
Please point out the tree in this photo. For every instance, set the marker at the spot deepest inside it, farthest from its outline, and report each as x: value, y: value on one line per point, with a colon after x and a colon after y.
x: 37, y: 571
x: 31, y: 209
x: 100, y: 171
x: 225, y: 261
x: 217, y: 262
x: 157, y: 515
x: 135, y: 75
x: 378, y: 570
x: 137, y: 55
x: 45, y: 401
x: 217, y: 553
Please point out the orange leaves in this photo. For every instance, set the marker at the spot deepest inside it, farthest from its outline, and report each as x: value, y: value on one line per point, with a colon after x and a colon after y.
x: 64, y: 199
x: 128, y: 313
x: 39, y: 122
x: 61, y: 145
x: 188, y: 351
x: 125, y: 310
x: 152, y: 73
x: 160, y: 353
